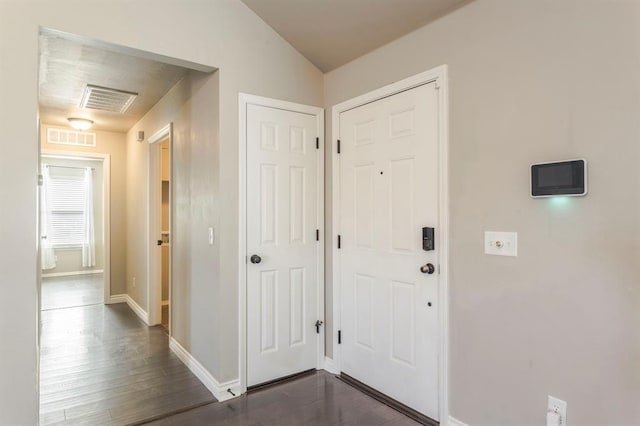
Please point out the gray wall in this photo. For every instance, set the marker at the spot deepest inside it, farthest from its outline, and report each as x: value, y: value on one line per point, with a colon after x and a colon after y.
x: 535, y: 81
x: 192, y: 106
x: 224, y: 34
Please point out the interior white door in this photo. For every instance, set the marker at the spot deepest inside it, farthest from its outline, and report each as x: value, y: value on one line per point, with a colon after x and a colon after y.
x: 283, y: 254
x: 388, y: 192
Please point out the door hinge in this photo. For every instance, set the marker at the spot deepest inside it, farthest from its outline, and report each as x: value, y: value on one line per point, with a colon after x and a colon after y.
x: 317, y: 235
x: 338, y: 146
x: 318, y: 324
x: 339, y: 337
x: 317, y: 143
x: 339, y: 241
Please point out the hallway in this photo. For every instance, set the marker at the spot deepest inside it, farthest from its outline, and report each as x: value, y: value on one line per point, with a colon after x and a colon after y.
x: 101, y: 365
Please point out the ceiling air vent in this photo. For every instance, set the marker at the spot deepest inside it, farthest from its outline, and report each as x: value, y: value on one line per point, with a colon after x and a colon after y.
x: 107, y: 99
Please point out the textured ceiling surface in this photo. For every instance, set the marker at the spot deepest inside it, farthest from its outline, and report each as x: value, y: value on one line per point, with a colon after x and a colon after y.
x: 331, y: 33
x: 68, y: 64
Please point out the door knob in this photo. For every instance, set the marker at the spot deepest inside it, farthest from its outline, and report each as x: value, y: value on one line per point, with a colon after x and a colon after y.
x: 255, y: 259
x: 428, y: 268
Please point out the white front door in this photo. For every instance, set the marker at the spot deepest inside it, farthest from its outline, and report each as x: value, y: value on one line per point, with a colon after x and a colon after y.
x: 388, y: 193
x: 283, y: 254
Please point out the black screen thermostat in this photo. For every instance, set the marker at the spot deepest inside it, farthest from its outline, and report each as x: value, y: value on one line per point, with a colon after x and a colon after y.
x: 568, y: 178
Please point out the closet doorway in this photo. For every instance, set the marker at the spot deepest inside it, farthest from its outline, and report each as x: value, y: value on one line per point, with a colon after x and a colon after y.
x: 160, y: 212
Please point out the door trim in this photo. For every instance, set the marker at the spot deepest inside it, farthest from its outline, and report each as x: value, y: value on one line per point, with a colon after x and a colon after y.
x: 439, y: 75
x: 154, y: 257
x: 244, y: 100
x: 106, y: 209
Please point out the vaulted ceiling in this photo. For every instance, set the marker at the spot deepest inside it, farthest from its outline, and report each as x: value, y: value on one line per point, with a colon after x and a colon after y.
x: 331, y: 33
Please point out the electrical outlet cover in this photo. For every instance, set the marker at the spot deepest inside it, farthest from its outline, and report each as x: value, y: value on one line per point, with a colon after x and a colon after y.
x: 558, y: 406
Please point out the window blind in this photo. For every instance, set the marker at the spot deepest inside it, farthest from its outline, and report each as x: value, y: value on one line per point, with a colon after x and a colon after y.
x: 66, y: 200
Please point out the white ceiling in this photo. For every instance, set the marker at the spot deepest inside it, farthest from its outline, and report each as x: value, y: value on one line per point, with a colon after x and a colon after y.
x: 68, y: 63
x: 331, y: 33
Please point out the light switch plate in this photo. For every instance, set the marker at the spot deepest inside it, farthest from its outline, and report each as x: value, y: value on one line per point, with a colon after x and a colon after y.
x: 212, y: 236
x: 501, y: 243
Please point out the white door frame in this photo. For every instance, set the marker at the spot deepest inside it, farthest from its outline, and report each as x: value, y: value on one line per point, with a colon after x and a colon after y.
x: 154, y: 257
x: 244, y: 100
x: 439, y: 76
x: 106, y: 209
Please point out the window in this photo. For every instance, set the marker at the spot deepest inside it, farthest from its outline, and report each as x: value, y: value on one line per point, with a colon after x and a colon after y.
x: 66, y: 201
x: 70, y: 137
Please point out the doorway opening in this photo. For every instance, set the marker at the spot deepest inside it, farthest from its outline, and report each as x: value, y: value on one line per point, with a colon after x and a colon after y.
x: 75, y: 219
x: 160, y: 213
x: 103, y: 359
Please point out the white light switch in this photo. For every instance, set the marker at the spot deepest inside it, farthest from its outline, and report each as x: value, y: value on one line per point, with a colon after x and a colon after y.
x: 212, y: 236
x: 501, y: 243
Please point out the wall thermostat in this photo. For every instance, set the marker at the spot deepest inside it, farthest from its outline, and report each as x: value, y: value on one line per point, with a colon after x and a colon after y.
x: 567, y: 178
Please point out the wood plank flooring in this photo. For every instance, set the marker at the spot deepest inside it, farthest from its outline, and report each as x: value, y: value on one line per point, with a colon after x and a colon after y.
x: 101, y: 365
x: 66, y: 292
x: 316, y: 399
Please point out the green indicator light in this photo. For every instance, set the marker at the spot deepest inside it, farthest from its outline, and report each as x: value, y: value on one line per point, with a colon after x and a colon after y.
x: 559, y: 201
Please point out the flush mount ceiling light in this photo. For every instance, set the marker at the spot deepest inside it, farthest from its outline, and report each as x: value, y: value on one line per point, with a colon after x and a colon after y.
x: 80, y: 123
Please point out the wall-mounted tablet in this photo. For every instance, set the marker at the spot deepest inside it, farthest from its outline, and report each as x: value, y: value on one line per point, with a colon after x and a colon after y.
x: 568, y: 178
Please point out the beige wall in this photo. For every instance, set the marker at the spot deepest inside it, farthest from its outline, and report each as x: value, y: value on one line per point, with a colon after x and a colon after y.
x: 114, y: 145
x: 535, y: 81
x: 224, y: 34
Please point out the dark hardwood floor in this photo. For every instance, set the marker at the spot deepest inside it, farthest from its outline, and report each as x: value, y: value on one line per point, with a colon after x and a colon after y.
x: 101, y: 365
x: 165, y: 317
x: 66, y: 292
x: 316, y: 399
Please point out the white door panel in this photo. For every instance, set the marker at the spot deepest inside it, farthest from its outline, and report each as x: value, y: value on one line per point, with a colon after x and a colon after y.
x: 282, y: 218
x: 388, y: 192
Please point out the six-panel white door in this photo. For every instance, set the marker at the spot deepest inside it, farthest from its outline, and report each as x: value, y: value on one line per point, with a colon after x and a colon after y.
x: 388, y: 192
x: 283, y: 202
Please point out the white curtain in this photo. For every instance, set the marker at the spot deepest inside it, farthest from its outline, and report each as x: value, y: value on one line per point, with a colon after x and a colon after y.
x: 89, y: 241
x: 47, y: 255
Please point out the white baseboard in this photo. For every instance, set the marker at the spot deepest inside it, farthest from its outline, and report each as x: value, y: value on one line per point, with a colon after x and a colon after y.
x: 330, y: 366
x: 144, y: 316
x: 70, y: 274
x: 456, y: 422
x: 219, y: 390
x: 117, y: 298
